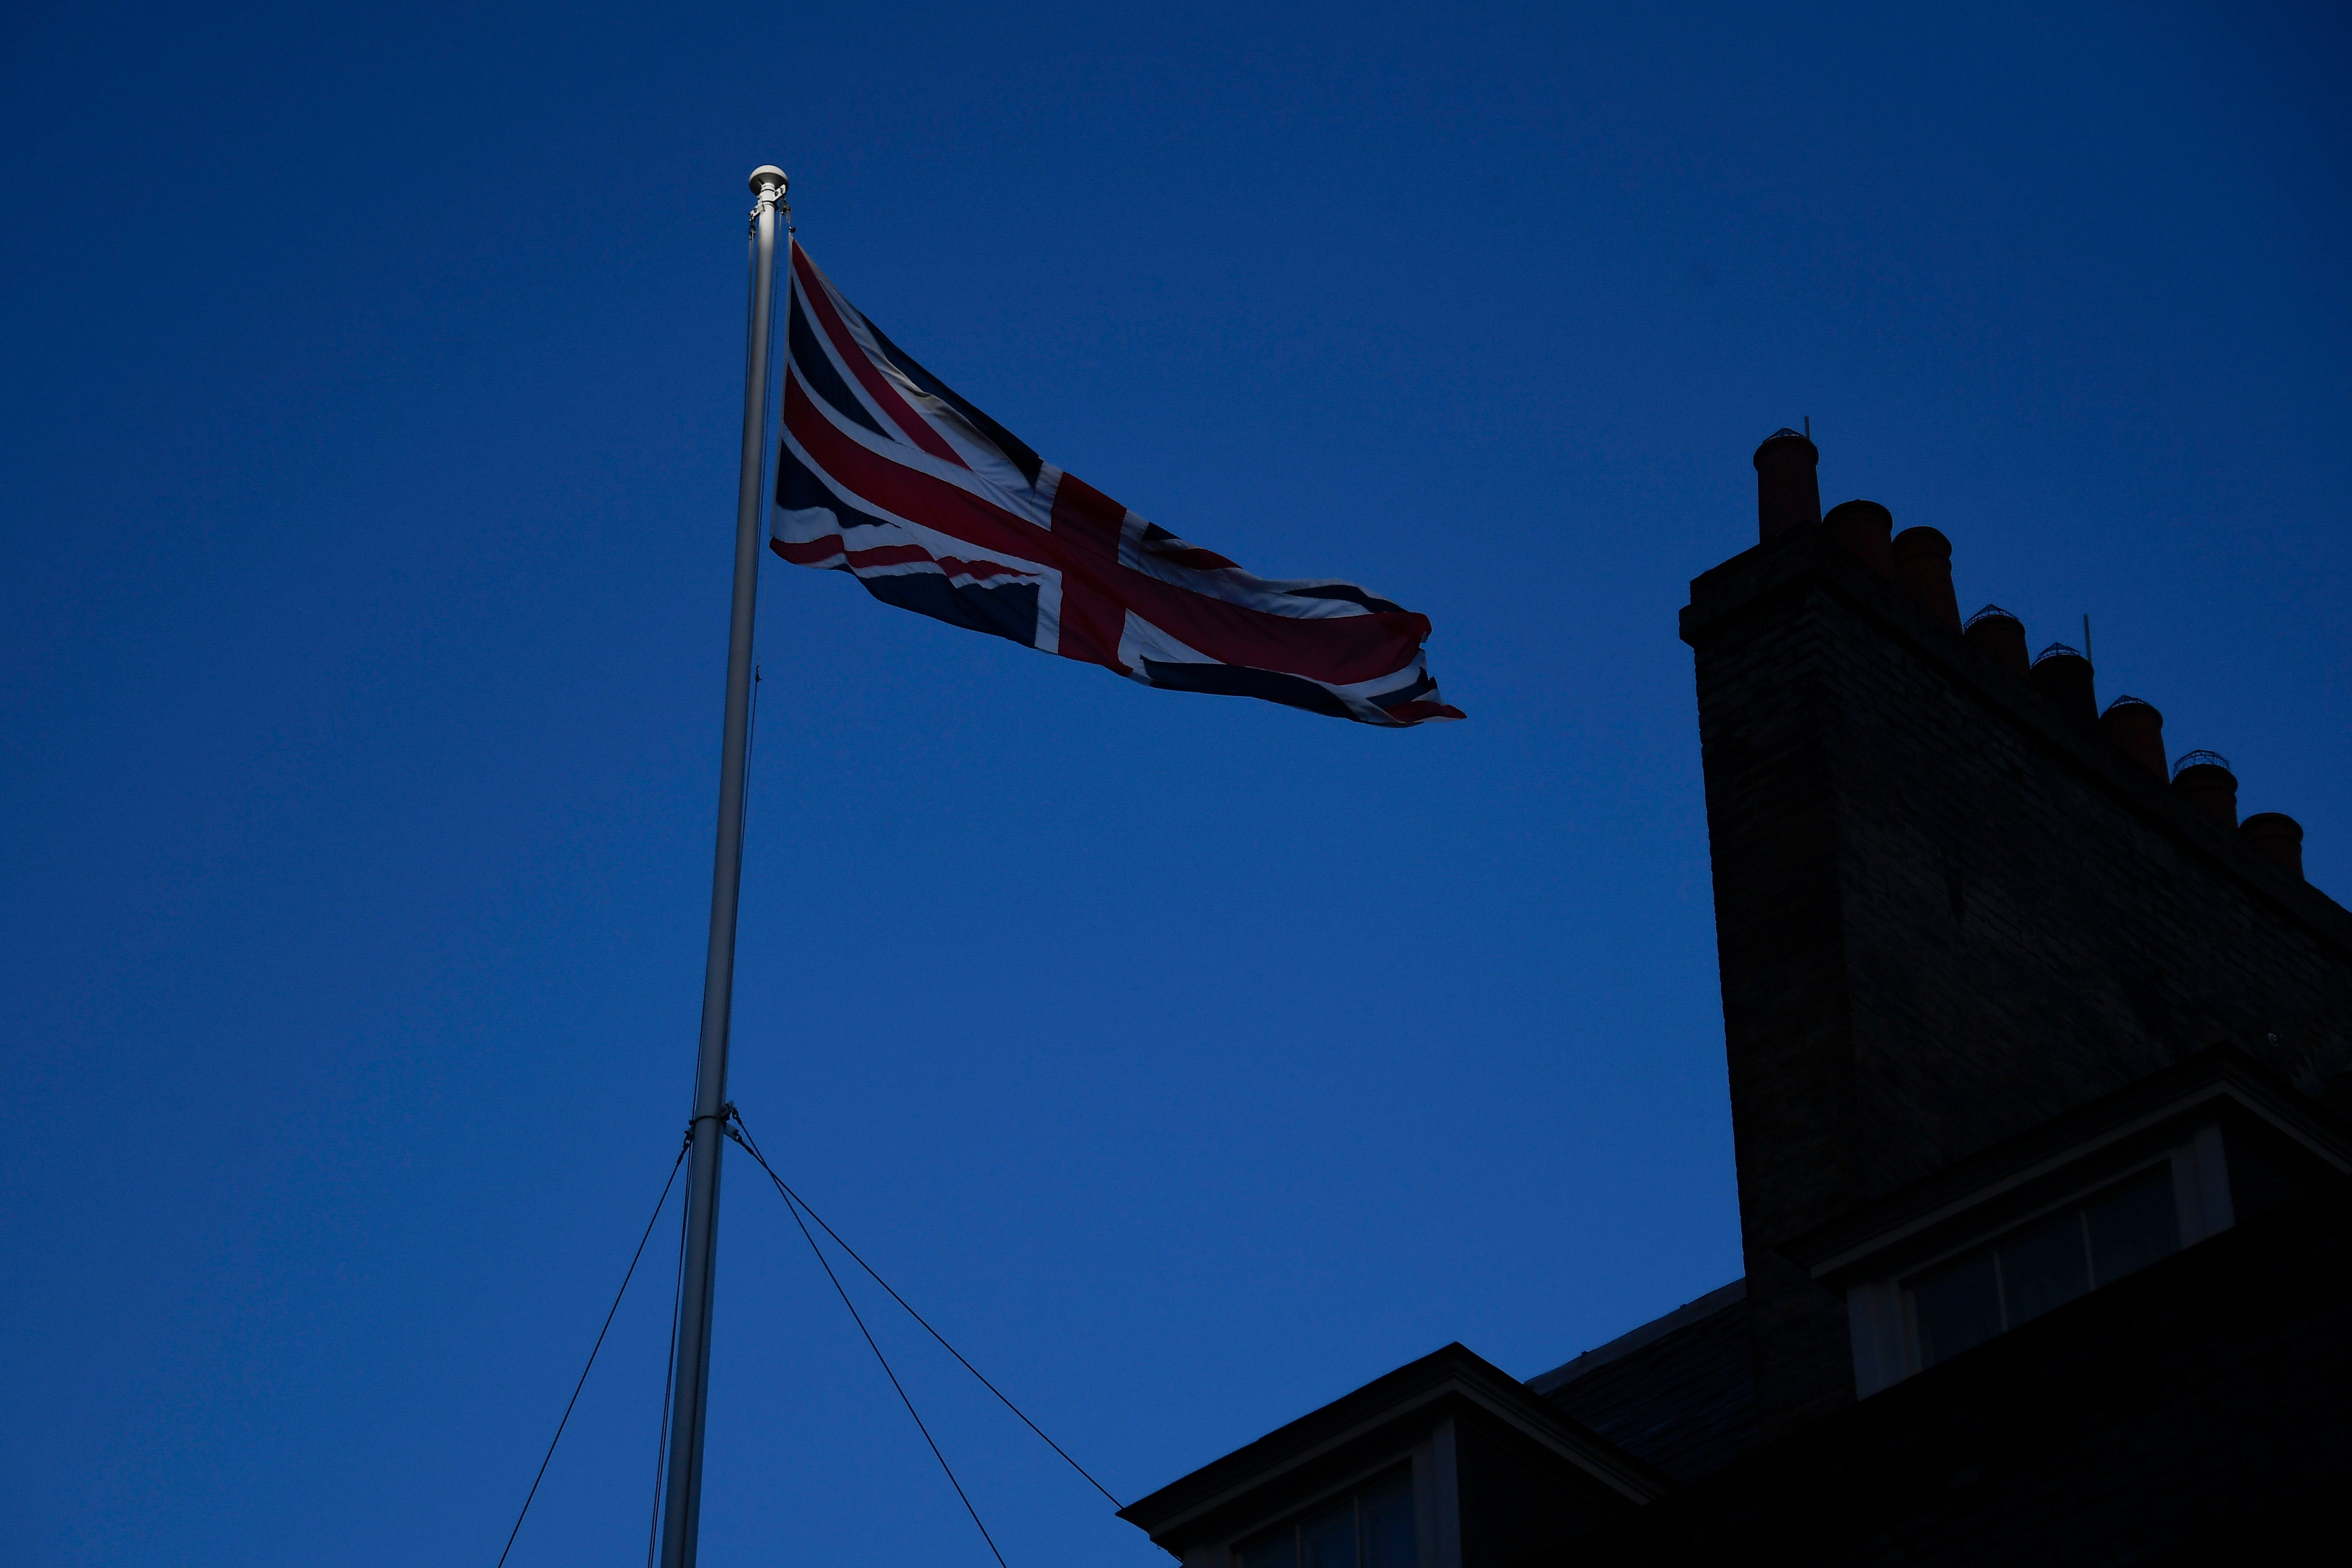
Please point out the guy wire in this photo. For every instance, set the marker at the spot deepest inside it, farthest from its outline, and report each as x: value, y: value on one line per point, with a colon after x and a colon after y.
x: 750, y: 1146
x: 659, y: 1204
x: 856, y: 1318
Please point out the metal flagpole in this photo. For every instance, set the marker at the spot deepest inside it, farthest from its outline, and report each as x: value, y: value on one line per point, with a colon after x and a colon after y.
x: 682, y: 1493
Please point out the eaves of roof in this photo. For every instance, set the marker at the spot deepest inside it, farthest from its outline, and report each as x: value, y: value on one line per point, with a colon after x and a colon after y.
x: 1421, y: 1391
x: 2209, y: 1080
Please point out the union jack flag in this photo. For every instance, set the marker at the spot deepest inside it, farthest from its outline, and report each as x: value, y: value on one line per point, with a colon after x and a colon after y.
x: 936, y: 507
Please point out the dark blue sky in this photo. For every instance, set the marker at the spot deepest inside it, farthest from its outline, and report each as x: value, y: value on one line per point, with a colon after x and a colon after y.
x: 370, y: 434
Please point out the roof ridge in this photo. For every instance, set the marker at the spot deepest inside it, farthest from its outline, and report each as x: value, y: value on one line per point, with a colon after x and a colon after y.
x: 1624, y: 1345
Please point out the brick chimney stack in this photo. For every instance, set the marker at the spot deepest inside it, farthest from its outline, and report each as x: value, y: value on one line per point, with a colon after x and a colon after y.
x: 1951, y: 903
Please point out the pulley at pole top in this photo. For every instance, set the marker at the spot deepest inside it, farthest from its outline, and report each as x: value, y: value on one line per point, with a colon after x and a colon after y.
x: 770, y: 184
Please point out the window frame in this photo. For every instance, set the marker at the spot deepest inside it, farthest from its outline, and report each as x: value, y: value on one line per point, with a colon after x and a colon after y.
x: 1297, y: 1519
x: 1882, y: 1314
x: 2214, y: 1108
x: 1437, y: 1541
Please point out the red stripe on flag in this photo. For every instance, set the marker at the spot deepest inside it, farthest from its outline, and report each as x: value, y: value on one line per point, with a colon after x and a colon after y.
x: 813, y: 553
x: 916, y: 495
x: 1342, y: 651
x: 877, y: 386
x: 1095, y: 590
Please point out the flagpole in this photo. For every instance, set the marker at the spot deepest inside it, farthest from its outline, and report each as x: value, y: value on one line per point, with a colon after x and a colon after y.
x: 682, y: 1492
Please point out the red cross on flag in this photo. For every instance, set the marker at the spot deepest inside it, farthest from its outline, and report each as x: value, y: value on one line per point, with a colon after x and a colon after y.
x: 888, y: 474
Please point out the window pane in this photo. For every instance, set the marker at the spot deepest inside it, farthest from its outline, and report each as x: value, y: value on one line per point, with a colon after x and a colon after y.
x: 2045, y: 1267
x: 1327, y: 1540
x: 1958, y: 1306
x: 1275, y: 1549
x: 2133, y: 1225
x: 1388, y: 1522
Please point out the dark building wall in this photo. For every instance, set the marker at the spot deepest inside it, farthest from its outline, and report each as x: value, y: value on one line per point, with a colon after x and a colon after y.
x: 1519, y: 1509
x: 2191, y: 1414
x: 1945, y: 915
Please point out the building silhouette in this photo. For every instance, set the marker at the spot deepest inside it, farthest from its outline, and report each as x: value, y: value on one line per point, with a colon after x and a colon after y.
x: 2040, y: 1066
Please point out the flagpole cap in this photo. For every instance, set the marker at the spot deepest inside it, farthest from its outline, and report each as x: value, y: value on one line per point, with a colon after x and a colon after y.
x: 768, y: 174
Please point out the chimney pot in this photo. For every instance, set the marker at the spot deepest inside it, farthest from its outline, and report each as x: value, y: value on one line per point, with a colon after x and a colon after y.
x: 2276, y: 837
x: 2001, y: 637
x: 2205, y: 781
x: 1787, y: 493
x: 2137, y: 731
x: 2064, y: 677
x: 1923, y: 569
x: 1861, y: 528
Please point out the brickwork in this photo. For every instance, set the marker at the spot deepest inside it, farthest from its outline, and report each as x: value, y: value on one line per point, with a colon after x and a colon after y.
x: 1944, y: 916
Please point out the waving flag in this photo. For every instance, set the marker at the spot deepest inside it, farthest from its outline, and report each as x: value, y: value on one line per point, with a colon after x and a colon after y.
x: 888, y: 474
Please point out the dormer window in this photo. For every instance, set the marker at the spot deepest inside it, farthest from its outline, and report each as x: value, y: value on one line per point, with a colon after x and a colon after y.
x: 1962, y: 1303
x: 1371, y: 1527
x: 1446, y: 1462
x: 1986, y: 1245
x: 1946, y: 1291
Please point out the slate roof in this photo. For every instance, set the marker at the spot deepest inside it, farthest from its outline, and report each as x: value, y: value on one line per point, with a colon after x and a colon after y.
x: 1679, y: 1393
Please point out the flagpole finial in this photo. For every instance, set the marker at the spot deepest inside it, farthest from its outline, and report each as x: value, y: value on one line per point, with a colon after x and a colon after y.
x: 767, y: 177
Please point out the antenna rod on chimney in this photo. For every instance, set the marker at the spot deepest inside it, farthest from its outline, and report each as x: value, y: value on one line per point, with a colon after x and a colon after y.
x: 2087, y: 638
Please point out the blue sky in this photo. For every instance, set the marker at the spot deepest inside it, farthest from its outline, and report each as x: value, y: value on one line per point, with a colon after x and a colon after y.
x: 370, y: 430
